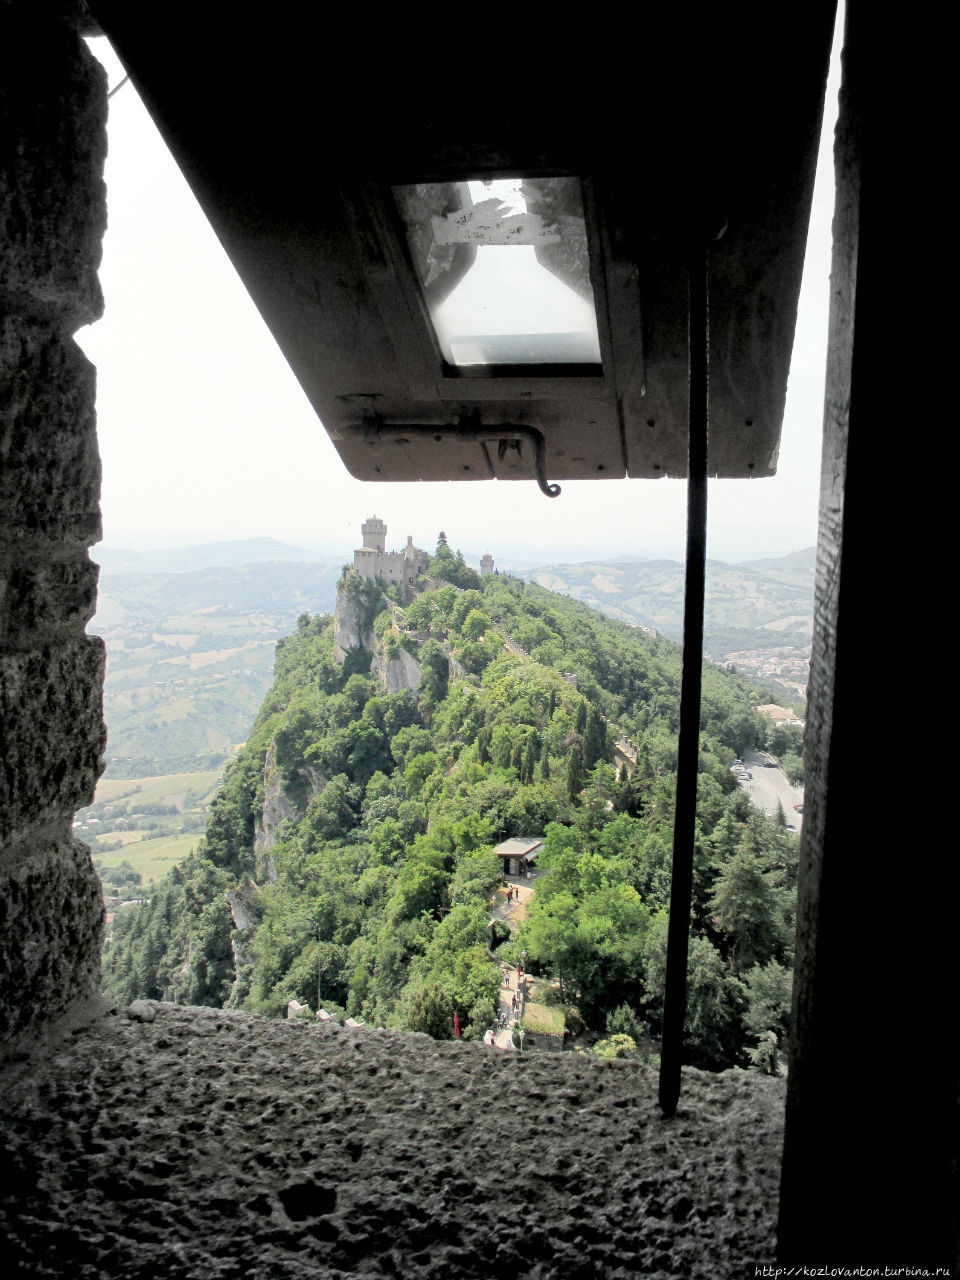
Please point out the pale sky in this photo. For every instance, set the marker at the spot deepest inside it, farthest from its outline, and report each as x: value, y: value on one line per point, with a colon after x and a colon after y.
x: 206, y: 435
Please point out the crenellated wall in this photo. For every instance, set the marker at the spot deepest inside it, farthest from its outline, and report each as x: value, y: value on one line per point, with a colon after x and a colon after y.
x: 52, y: 217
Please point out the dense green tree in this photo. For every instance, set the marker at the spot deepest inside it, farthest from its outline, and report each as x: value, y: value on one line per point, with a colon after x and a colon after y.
x: 767, y: 1017
x: 745, y: 910
x: 712, y: 1031
x: 574, y: 771
x: 434, y: 674
x: 594, y: 738
x: 618, y: 1045
x: 123, y: 875
x: 792, y: 766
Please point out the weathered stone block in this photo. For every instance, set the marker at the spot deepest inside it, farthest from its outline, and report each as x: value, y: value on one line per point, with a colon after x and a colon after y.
x: 53, y: 111
x: 49, y: 465
x: 51, y: 932
x: 39, y: 602
x: 51, y: 732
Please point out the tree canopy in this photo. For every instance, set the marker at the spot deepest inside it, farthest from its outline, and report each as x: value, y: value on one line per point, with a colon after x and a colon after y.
x: 348, y: 858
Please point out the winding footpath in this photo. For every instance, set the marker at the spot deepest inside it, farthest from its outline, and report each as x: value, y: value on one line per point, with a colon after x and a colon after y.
x: 512, y: 985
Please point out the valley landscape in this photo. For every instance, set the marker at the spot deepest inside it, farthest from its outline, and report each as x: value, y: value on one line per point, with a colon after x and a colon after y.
x: 348, y: 862
x: 191, y: 636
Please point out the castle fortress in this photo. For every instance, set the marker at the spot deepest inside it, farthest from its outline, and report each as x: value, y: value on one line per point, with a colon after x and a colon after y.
x: 373, y: 561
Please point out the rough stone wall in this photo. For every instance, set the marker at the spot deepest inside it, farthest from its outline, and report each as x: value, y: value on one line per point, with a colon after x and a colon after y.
x: 176, y: 1142
x: 52, y: 217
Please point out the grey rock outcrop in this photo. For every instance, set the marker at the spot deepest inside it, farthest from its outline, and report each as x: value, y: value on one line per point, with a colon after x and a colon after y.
x: 244, y: 904
x: 350, y: 631
x: 400, y: 672
x: 457, y: 670
x: 279, y: 807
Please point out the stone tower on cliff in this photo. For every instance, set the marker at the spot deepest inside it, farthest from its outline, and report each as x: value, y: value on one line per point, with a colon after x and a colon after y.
x: 374, y: 532
x: 373, y: 561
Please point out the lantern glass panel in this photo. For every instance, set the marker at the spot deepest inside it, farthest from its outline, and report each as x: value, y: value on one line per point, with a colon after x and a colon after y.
x: 504, y: 268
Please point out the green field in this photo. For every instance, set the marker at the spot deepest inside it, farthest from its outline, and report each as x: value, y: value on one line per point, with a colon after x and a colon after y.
x: 149, y: 790
x: 152, y: 858
x: 155, y: 820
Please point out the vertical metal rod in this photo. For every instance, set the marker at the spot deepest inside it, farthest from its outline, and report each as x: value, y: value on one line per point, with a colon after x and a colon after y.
x: 688, y: 751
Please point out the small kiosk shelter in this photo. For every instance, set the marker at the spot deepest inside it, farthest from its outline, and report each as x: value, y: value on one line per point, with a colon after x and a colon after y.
x: 519, y: 854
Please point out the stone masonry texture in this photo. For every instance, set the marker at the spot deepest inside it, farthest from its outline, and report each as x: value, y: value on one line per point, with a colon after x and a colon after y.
x: 53, y: 112
x: 52, y: 215
x: 51, y: 734
x: 182, y: 1142
x: 49, y: 465
x: 48, y: 595
x: 51, y: 918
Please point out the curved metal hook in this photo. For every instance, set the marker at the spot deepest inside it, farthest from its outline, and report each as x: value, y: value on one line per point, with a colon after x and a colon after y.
x: 468, y: 429
x: 540, y: 465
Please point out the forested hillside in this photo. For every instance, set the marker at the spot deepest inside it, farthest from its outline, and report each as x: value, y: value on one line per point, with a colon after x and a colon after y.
x: 758, y: 615
x: 348, y: 860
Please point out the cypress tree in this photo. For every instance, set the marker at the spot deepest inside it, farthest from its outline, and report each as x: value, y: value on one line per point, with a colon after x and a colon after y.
x: 595, y: 737
x: 529, y: 758
x: 574, y: 771
x: 581, y: 723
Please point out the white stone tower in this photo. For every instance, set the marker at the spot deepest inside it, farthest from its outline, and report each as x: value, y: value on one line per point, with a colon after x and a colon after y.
x: 374, y: 534
x: 486, y: 564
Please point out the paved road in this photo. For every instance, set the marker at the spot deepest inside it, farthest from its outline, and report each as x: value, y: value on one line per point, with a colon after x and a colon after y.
x: 768, y: 786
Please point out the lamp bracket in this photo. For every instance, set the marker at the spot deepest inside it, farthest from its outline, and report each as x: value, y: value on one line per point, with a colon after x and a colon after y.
x: 502, y: 435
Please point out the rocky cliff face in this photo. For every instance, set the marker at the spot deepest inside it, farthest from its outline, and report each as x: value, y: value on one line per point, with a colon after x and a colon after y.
x: 349, y: 629
x: 279, y: 807
x: 397, y: 673
x: 244, y: 904
x: 352, y: 633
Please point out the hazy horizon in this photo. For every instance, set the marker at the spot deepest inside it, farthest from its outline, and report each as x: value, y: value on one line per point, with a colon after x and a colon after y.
x: 140, y: 543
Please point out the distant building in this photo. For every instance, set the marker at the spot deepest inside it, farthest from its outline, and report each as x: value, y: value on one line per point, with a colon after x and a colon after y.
x: 783, y: 715
x: 486, y: 564
x: 373, y: 561
x: 519, y: 855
